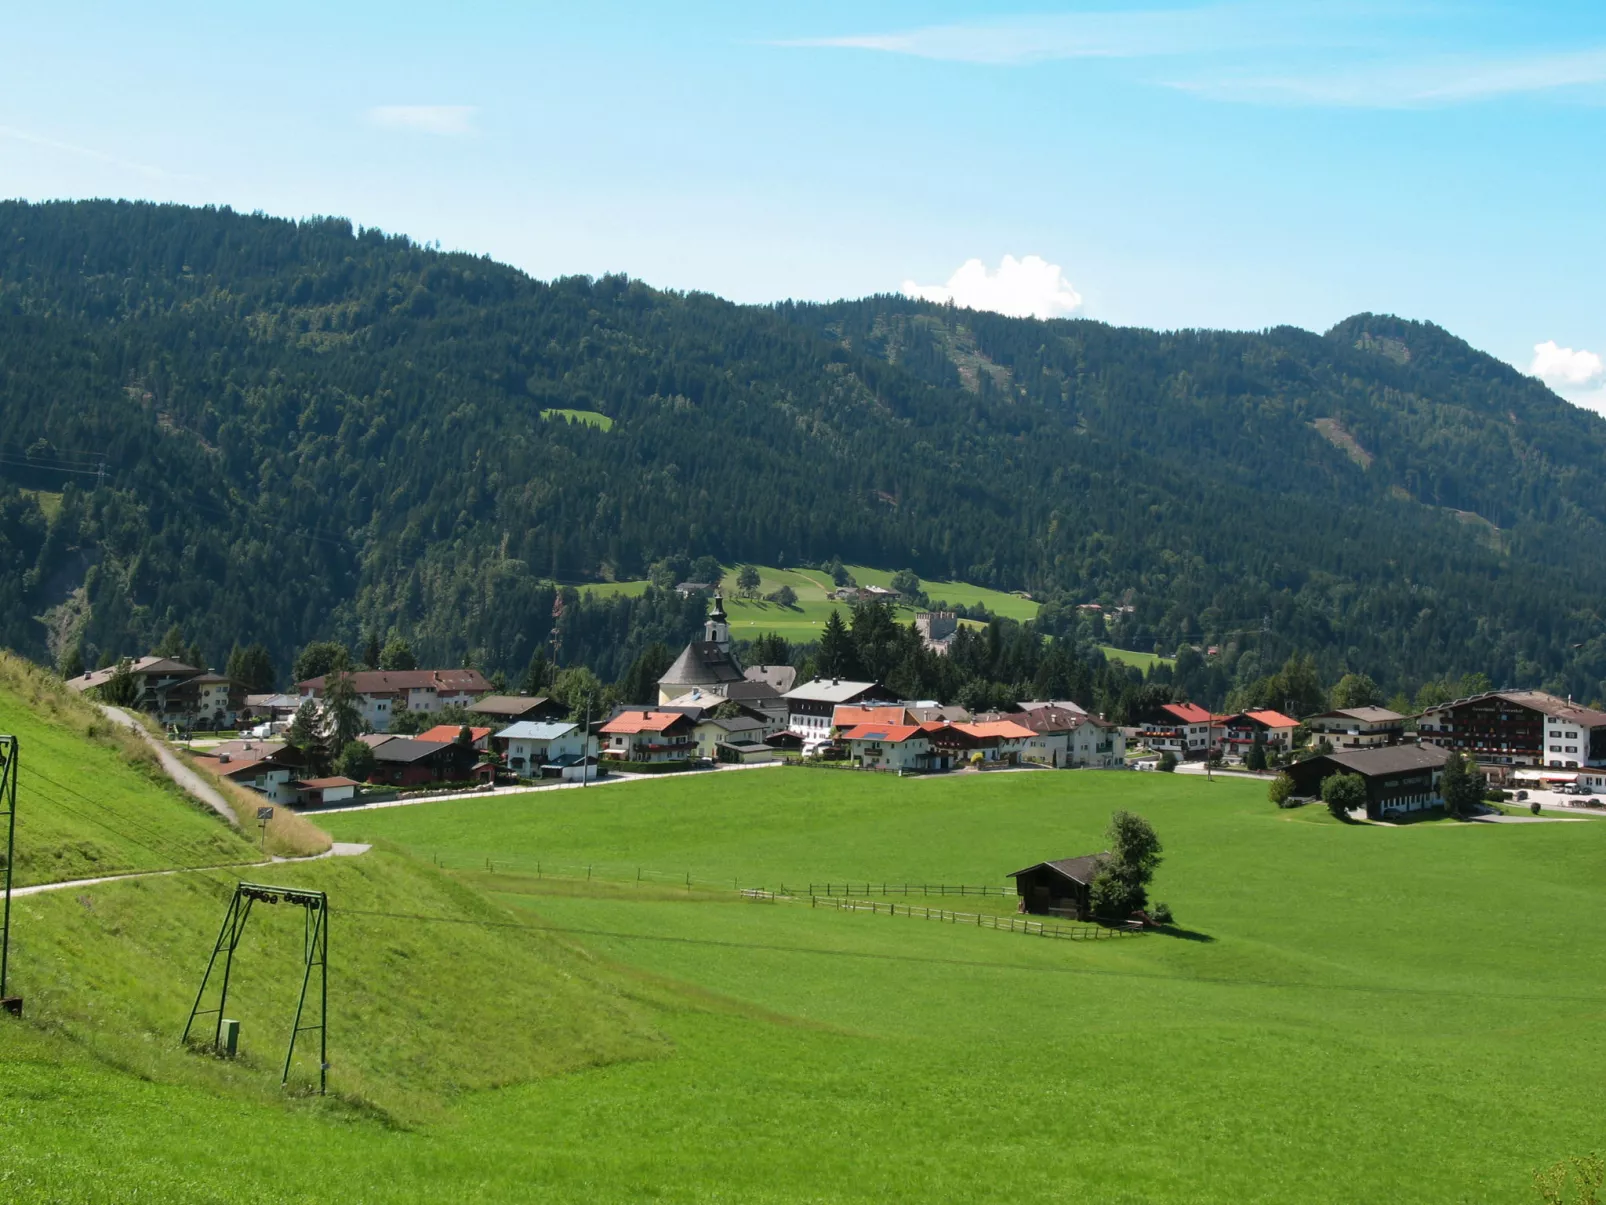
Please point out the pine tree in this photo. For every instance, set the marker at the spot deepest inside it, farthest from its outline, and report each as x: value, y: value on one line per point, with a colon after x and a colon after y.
x: 836, y: 657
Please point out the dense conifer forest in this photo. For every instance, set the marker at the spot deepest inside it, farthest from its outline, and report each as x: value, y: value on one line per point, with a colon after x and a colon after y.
x: 275, y: 431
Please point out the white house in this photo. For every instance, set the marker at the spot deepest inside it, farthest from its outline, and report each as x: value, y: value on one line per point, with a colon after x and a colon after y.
x: 810, y: 707
x: 890, y: 746
x: 531, y: 744
x: 383, y: 693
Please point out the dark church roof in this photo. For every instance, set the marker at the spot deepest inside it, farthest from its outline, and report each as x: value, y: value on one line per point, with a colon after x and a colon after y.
x: 702, y: 663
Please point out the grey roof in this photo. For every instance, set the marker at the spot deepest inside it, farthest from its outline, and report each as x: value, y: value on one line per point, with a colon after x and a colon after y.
x: 508, y: 705
x: 953, y: 713
x: 1079, y: 870
x: 536, y: 730
x: 403, y: 750
x: 781, y: 677
x: 1390, y: 760
x: 740, y: 723
x: 1062, y: 704
x: 831, y: 690
x: 701, y: 663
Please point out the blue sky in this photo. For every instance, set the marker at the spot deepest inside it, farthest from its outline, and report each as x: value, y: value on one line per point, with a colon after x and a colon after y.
x: 1230, y: 165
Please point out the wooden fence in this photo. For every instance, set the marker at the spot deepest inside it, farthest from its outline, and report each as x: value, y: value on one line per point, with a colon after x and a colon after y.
x: 846, y: 889
x: 1013, y: 924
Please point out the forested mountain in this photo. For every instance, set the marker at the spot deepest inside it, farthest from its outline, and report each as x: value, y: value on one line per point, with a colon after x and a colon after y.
x: 280, y: 431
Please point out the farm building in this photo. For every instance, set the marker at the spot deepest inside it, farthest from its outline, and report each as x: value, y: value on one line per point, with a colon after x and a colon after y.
x: 1059, y: 888
x: 1399, y: 778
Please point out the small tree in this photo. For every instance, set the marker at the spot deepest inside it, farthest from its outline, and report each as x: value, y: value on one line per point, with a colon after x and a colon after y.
x: 1120, y: 887
x: 1461, y: 786
x: 1256, y: 758
x: 120, y: 690
x: 251, y: 667
x: 1167, y: 763
x: 1281, y: 790
x: 747, y: 581
x: 1343, y: 793
x: 397, y: 655
x: 342, y: 713
x: 906, y: 583
x: 306, y: 736
x: 72, y: 661
x: 784, y: 597
x: 356, y: 761
x: 319, y: 658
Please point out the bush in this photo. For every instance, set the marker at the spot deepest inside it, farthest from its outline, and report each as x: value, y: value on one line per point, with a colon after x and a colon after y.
x: 1534, y: 807
x: 1160, y: 914
x: 1281, y: 790
x: 1167, y: 763
x: 1342, y: 793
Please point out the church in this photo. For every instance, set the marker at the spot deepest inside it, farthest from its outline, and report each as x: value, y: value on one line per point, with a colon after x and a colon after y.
x: 705, y: 664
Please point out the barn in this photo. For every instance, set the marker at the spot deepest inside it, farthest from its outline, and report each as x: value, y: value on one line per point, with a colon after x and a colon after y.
x: 1059, y: 888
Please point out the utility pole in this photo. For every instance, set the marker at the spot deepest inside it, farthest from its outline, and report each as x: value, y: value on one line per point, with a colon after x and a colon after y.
x: 585, y: 747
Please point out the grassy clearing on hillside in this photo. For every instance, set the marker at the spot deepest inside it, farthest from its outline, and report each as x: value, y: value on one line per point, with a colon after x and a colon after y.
x: 590, y: 418
x: 419, y: 1010
x: 92, y: 799
x: 1141, y: 661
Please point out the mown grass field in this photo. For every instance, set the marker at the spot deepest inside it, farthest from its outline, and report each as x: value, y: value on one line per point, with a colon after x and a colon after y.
x: 1350, y: 1013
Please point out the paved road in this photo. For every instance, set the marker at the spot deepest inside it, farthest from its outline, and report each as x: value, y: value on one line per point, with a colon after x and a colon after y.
x: 187, y: 778
x: 340, y: 849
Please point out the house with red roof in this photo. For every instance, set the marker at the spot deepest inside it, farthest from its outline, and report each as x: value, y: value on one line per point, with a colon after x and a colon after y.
x: 1179, y: 728
x: 1234, y: 735
x: 895, y: 747
x: 851, y: 715
x: 648, y: 735
x: 450, y: 732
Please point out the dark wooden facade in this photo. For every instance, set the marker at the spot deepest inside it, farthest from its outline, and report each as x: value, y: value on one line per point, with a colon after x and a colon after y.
x: 1059, y: 888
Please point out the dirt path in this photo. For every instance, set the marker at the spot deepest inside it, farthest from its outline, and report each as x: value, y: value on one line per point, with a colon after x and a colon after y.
x: 340, y: 849
x: 187, y: 778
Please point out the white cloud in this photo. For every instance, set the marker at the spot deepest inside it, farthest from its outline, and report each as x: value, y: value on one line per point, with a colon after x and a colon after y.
x: 450, y: 120
x: 1029, y: 287
x: 1564, y: 368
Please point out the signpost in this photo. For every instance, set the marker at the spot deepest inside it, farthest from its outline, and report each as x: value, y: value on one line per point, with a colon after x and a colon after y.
x: 264, y: 814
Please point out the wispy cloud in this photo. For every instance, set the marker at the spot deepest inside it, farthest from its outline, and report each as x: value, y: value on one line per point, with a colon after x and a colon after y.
x: 1029, y: 287
x: 143, y: 169
x: 1420, y: 84
x: 1348, y: 54
x: 446, y: 120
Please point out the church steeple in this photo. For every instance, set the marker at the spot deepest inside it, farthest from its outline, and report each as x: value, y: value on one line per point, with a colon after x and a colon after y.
x: 718, y: 629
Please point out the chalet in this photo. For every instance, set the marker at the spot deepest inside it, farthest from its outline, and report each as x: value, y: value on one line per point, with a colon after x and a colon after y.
x: 710, y: 733
x: 532, y: 744
x: 998, y: 740
x: 1059, y: 888
x: 323, y: 792
x: 270, y: 771
x: 1358, y: 727
x: 1509, y: 728
x: 1399, y: 778
x: 269, y: 708
x: 851, y: 715
x: 1069, y: 738
x: 408, y: 762
x: 650, y: 736
x: 1235, y: 734
x: 895, y: 747
x: 1179, y: 728
x: 479, y: 738
x: 501, y: 710
x: 172, y: 692
x: 810, y: 707
x: 383, y: 693
x: 708, y: 662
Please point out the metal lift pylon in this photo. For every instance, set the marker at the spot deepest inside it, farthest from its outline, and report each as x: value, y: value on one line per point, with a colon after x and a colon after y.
x: 314, y: 951
x: 10, y: 768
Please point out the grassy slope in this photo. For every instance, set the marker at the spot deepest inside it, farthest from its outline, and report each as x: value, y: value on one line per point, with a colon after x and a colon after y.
x: 1367, y: 995
x: 92, y: 799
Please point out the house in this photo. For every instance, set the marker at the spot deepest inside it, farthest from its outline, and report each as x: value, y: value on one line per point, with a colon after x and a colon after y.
x: 710, y: 733
x: 270, y: 771
x: 322, y: 792
x: 218, y: 701
x: 707, y: 662
x: 756, y: 699
x: 382, y: 693
x: 851, y: 715
x: 937, y: 629
x: 168, y: 690
x: 1062, y: 704
x: 894, y: 747
x: 998, y: 740
x: 1068, y: 738
x: 409, y: 762
x: 1507, y: 728
x: 269, y: 708
x: 650, y: 736
x: 780, y: 677
x: 532, y: 744
x: 502, y: 710
x: 480, y: 737
x: 1399, y: 778
x: 1235, y: 734
x: 1179, y: 728
x: 1059, y: 888
x: 810, y: 707
x: 744, y: 752
x: 1357, y: 727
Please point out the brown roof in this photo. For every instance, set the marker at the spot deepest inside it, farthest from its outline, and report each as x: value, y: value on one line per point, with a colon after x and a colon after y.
x: 1539, y: 700
x: 514, y: 706
x: 323, y: 784
x: 1049, y: 719
x: 389, y: 682
x: 1366, y: 715
x: 1392, y: 759
x: 1078, y: 870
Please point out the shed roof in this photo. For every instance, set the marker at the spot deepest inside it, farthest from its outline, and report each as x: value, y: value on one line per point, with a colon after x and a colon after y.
x: 1078, y: 870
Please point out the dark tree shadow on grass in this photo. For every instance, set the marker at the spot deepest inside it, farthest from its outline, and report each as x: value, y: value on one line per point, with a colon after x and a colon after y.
x: 1184, y: 934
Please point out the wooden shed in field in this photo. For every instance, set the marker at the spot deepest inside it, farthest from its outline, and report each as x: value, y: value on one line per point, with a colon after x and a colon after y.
x: 1059, y: 888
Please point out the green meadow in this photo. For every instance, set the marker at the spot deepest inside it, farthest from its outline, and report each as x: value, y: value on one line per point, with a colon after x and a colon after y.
x: 562, y: 996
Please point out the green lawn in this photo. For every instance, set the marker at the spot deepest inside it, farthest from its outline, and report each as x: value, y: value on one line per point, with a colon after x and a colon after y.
x: 1140, y: 660
x: 590, y: 418
x: 1353, y: 1013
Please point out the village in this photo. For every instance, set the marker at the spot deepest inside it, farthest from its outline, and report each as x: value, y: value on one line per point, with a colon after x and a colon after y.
x: 711, y: 712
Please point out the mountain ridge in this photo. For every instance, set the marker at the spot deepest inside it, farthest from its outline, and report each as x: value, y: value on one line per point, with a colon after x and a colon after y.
x: 288, y: 430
